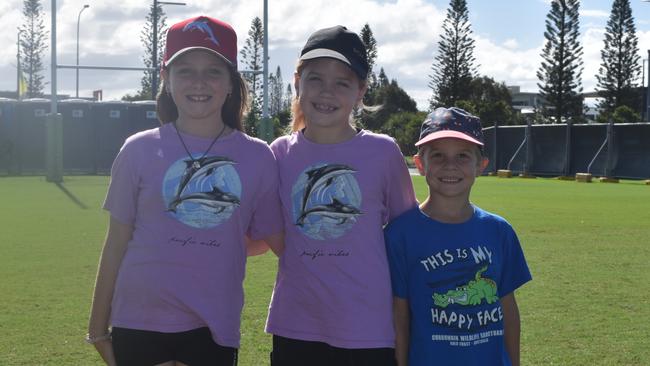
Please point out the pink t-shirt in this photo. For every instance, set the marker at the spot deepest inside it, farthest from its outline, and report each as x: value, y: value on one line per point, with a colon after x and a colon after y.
x: 185, y: 264
x: 333, y: 283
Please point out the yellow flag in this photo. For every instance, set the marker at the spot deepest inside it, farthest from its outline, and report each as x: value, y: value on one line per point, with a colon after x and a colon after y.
x: 22, y: 86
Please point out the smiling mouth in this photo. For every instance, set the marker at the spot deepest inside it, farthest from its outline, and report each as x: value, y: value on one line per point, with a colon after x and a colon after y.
x: 198, y: 98
x: 324, y: 108
x: 449, y: 180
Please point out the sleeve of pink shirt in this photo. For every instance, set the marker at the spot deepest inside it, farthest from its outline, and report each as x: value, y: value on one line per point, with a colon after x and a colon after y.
x: 267, y: 212
x: 400, y: 196
x: 121, y: 199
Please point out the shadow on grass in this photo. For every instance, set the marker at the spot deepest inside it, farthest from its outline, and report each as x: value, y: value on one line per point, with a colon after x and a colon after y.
x: 71, y: 196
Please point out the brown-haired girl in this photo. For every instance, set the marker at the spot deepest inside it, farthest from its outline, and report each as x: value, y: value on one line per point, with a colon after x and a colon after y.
x: 186, y: 201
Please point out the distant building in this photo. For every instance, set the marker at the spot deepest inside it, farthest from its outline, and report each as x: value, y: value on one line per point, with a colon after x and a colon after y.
x: 527, y: 102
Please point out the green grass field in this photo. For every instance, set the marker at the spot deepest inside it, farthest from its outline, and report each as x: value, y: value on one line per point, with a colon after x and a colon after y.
x: 588, y: 247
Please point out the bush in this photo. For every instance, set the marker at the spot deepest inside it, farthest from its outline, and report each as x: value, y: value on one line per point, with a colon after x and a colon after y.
x: 404, y: 127
x: 622, y: 114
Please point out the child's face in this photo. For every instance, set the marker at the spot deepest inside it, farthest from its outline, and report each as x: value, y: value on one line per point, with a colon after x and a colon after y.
x: 450, y: 166
x: 198, y: 82
x: 328, y: 90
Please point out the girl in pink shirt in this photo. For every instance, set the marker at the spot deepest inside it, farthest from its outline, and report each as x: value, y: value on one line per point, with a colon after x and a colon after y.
x: 187, y: 201
x: 339, y: 185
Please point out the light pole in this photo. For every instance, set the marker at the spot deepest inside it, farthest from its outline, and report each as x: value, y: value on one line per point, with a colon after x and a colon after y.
x: 154, y: 56
x: 79, y: 18
x: 18, y: 68
x: 647, y: 93
x: 643, y: 74
x: 268, y: 129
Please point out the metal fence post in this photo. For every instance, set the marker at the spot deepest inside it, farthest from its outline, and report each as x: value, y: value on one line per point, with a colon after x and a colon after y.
x: 610, y: 148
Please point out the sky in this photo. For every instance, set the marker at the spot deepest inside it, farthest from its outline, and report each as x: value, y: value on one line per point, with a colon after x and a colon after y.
x: 509, y: 36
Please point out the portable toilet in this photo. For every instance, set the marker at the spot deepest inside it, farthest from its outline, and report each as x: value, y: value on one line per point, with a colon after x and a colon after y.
x: 143, y: 116
x: 78, y: 136
x: 31, y: 136
x: 7, y: 136
x: 112, y: 127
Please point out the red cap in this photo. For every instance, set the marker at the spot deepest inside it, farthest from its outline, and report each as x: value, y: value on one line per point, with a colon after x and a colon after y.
x: 201, y: 33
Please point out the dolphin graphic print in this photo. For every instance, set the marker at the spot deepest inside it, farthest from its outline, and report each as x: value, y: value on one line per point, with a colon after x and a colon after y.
x: 322, y: 177
x: 216, y: 199
x: 326, y: 200
x: 336, y: 210
x: 200, y: 167
x: 202, y: 26
x: 202, y: 193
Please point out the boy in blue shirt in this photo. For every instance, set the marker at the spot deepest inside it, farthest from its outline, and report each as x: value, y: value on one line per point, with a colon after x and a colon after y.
x: 454, y: 267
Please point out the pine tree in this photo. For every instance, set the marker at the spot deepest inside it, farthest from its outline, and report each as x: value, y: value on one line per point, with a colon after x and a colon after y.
x: 32, y: 44
x: 453, y: 68
x: 374, y: 120
x: 371, y: 51
x: 253, y: 59
x: 382, y: 79
x: 276, y: 91
x: 560, y: 72
x: 288, y: 98
x: 146, y: 37
x: 620, y: 60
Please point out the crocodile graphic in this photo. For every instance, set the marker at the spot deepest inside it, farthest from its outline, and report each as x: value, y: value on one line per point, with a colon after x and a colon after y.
x: 470, y: 294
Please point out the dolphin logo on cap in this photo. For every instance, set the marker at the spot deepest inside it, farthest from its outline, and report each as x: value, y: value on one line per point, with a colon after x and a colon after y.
x: 202, y: 26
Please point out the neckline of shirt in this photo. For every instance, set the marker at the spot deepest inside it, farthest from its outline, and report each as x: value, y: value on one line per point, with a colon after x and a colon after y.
x: 168, y: 128
x: 301, y: 138
x: 469, y: 220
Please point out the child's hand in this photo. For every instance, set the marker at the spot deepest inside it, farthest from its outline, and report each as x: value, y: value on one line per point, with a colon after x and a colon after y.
x: 105, y: 349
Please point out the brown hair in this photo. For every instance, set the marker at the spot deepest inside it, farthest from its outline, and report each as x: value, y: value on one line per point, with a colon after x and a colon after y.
x: 298, y: 117
x: 232, y: 111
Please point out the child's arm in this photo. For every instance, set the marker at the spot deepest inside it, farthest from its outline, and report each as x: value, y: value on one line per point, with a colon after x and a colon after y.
x: 401, y: 318
x: 511, y: 327
x: 256, y: 247
x: 115, y: 245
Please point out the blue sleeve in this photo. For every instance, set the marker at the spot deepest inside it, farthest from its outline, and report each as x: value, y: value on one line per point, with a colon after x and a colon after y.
x: 396, y: 253
x: 515, y: 270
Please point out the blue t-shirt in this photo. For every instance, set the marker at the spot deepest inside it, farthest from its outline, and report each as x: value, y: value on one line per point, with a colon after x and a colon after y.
x: 453, y: 276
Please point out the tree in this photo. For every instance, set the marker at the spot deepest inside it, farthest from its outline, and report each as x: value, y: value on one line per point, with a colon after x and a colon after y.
x: 560, y: 72
x: 147, y: 39
x: 620, y: 66
x: 625, y: 114
x: 392, y: 99
x: 491, y: 102
x: 276, y: 92
x: 622, y: 114
x: 405, y: 129
x: 288, y: 98
x: 32, y: 44
x: 371, y: 52
x: 252, y: 120
x: 382, y: 79
x: 453, y: 68
x: 253, y: 59
x: 281, y: 122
